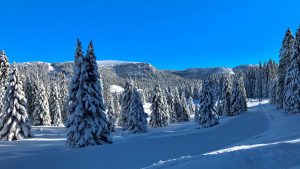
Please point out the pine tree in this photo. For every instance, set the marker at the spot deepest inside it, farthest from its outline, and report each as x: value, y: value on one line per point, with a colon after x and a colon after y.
x: 238, y: 99
x: 191, y: 105
x: 178, y: 109
x: 75, y: 82
x: 63, y: 96
x: 184, y: 116
x: 111, y: 115
x: 291, y: 102
x: 159, y: 116
x: 55, y: 109
x: 4, y: 73
x: 137, y: 118
x: 285, y: 58
x: 207, y: 115
x: 273, y: 88
x: 14, y: 123
x: 171, y: 106
x: 125, y: 105
x: 88, y: 123
x: 116, y: 107
x: 226, y: 95
x: 41, y: 110
x: 258, y: 83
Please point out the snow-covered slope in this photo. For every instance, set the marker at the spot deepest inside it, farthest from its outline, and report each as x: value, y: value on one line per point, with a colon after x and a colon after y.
x: 260, y: 138
x: 113, y: 62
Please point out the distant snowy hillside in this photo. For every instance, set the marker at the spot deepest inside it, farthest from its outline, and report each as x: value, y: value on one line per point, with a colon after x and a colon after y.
x: 201, y: 73
x: 113, y: 62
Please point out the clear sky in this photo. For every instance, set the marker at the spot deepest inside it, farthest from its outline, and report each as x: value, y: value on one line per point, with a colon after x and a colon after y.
x: 169, y: 34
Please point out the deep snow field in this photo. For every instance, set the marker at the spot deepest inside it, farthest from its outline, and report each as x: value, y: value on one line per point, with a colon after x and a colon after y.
x: 261, y: 138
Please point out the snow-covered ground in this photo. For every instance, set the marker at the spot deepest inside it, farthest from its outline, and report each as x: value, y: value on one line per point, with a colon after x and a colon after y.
x: 260, y: 138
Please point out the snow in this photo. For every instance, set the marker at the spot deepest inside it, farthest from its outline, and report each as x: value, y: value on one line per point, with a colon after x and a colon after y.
x: 116, y: 88
x: 112, y: 62
x: 261, y: 138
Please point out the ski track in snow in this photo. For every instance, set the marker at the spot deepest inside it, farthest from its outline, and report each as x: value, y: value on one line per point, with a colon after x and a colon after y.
x: 256, y: 139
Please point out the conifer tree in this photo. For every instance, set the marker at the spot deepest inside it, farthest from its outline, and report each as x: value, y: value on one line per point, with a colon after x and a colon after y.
x: 207, y: 115
x: 273, y: 89
x: 238, y: 99
x: 291, y: 102
x: 111, y: 115
x: 184, y: 116
x: 41, y: 107
x: 258, y: 83
x: 178, y: 109
x: 88, y: 123
x: 284, y: 61
x: 226, y: 95
x: 116, y: 107
x: 171, y: 106
x: 191, y: 105
x: 137, y: 118
x: 4, y: 73
x: 125, y: 105
x: 63, y: 96
x: 55, y: 109
x: 14, y: 123
x: 159, y: 116
x: 75, y: 82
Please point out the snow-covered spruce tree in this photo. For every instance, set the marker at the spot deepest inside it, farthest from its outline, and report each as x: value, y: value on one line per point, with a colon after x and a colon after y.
x: 125, y: 105
x: 273, y: 88
x: 159, y: 116
x: 4, y: 73
x: 171, y: 105
x: 197, y: 113
x: 284, y: 61
x: 258, y: 82
x: 178, y: 109
x: 191, y: 105
x: 111, y: 115
x: 75, y: 82
x: 185, y: 115
x: 238, y: 99
x: 14, y: 122
x: 55, y: 109
x: 291, y: 103
x: 226, y: 95
x: 88, y: 123
x: 137, y: 118
x: 41, y: 113
x: 207, y: 115
x: 63, y: 96
x: 116, y: 107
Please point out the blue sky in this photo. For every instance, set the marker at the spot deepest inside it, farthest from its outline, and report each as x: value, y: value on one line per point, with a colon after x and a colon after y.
x: 169, y: 34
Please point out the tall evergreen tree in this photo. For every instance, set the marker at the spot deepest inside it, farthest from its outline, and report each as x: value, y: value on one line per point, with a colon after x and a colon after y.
x: 75, y: 82
x: 55, y: 109
x: 137, y: 118
x: 171, y: 105
x: 258, y: 82
x: 238, y: 99
x: 4, y: 73
x: 185, y: 115
x: 226, y: 95
x: 284, y: 61
x: 125, y: 105
x: 207, y: 115
x: 111, y: 115
x: 291, y: 102
x: 178, y: 109
x: 159, y: 116
x: 41, y: 112
x: 88, y: 123
x: 14, y: 123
